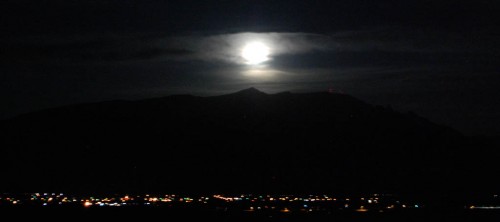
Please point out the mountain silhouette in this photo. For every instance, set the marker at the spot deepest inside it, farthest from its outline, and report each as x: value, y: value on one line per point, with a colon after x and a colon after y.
x: 248, y: 92
x: 247, y: 141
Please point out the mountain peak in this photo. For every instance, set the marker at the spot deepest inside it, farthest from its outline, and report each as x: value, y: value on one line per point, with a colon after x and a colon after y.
x: 250, y: 91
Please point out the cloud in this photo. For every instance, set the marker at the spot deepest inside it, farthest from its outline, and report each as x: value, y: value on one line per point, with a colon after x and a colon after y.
x: 227, y: 47
x: 398, y: 39
x: 109, y: 48
x: 83, y: 49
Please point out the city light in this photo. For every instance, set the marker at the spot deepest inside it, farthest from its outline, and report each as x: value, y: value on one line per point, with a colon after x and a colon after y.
x: 244, y: 202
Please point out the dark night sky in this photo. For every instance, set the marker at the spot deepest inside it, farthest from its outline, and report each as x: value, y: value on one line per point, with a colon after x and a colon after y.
x: 439, y: 59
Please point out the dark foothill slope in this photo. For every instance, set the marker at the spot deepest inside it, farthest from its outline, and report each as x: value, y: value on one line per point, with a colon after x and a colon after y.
x: 248, y: 141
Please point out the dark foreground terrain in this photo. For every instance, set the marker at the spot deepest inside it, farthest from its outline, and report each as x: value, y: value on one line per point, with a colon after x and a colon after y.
x: 248, y: 141
x: 148, y: 213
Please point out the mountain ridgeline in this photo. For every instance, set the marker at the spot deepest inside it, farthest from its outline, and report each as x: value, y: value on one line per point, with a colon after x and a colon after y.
x: 248, y: 141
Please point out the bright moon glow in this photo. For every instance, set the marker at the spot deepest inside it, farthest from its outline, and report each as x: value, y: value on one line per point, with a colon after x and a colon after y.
x: 255, y: 53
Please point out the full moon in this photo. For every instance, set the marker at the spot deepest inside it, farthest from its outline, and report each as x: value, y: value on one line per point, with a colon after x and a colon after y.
x: 255, y: 53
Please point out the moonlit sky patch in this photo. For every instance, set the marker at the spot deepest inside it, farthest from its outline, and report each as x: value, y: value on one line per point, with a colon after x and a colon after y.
x: 227, y: 47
